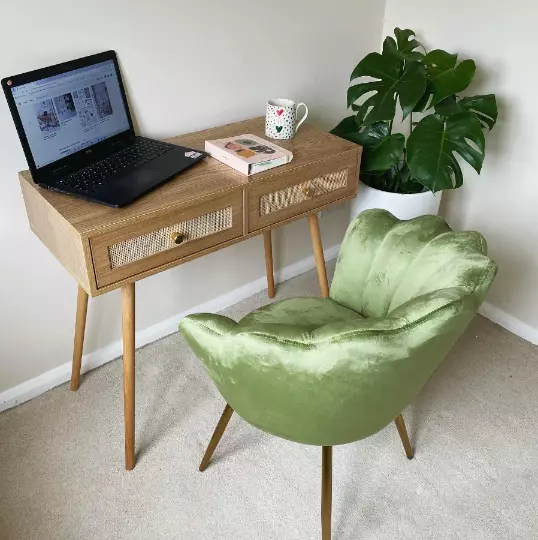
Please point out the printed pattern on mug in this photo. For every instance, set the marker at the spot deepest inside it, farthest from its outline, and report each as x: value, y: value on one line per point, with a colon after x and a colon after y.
x: 280, y: 122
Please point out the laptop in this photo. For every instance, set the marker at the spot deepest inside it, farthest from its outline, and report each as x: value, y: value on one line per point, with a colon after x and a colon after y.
x: 78, y: 137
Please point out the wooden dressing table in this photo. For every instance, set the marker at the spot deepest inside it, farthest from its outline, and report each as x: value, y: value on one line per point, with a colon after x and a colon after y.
x: 204, y: 209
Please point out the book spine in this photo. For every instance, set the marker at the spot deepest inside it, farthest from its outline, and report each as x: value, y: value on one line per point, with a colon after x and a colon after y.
x: 269, y: 164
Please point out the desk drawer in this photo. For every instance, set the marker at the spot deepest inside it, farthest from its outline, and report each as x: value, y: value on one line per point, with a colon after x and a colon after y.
x: 301, y: 190
x: 153, y: 242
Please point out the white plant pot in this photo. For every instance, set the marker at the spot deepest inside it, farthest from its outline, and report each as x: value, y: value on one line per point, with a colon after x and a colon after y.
x: 402, y: 206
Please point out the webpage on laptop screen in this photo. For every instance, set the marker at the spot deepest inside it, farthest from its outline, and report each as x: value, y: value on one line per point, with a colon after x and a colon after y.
x: 66, y: 113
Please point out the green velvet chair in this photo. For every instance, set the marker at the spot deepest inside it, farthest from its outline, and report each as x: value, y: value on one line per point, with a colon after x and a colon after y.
x: 329, y: 371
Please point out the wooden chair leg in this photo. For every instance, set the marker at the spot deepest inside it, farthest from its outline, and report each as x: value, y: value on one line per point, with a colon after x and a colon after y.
x: 326, y: 491
x: 78, y: 345
x: 315, y: 235
x: 269, y: 263
x: 400, y: 425
x: 217, y: 435
x: 128, y: 317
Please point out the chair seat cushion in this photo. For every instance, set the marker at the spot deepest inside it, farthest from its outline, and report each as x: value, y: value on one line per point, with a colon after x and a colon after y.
x: 304, y: 312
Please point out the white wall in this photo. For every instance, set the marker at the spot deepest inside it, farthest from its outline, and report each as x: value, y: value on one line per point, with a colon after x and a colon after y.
x: 187, y: 66
x: 502, y: 202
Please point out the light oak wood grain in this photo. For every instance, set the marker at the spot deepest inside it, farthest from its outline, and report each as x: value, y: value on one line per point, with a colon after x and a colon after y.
x: 128, y: 330
x: 202, y: 253
x: 62, y: 240
x: 291, y: 177
x: 402, y: 431
x: 310, y: 144
x: 319, y: 257
x: 205, y: 180
x: 326, y: 491
x: 217, y: 436
x: 78, y: 342
x: 107, y: 275
x: 268, y: 244
x: 201, y: 183
x: 73, y: 229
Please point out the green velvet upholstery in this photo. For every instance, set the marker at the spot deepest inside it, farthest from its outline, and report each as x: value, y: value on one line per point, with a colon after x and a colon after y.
x: 328, y: 371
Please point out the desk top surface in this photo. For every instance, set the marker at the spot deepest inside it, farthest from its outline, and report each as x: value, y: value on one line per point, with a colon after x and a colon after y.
x: 203, y: 181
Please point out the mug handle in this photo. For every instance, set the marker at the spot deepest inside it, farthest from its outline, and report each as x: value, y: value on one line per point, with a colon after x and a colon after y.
x: 303, y: 118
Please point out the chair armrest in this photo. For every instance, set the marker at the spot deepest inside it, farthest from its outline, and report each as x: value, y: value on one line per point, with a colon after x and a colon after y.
x: 444, y: 303
x: 217, y: 324
x: 427, y: 304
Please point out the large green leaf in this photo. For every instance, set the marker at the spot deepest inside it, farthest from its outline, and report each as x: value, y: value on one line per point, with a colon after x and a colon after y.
x: 371, y: 134
x: 384, y: 154
x: 347, y: 129
x: 381, y: 150
x: 403, y: 47
x: 447, y: 77
x: 397, y: 179
x: 424, y: 102
x: 448, y: 107
x: 393, y: 81
x: 484, y: 107
x: 432, y: 146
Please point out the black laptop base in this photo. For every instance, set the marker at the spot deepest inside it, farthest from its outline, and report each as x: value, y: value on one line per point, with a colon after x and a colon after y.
x: 124, y: 186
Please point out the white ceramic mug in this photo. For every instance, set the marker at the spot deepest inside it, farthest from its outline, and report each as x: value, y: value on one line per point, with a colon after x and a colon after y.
x: 281, y: 118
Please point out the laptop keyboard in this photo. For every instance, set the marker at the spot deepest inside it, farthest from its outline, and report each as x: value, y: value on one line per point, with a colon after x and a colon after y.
x: 92, y: 177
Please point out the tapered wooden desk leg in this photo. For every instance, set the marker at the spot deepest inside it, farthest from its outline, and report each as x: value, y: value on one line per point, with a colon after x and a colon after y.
x: 128, y: 316
x: 326, y: 491
x: 400, y: 425
x: 269, y: 263
x: 80, y: 327
x: 313, y: 223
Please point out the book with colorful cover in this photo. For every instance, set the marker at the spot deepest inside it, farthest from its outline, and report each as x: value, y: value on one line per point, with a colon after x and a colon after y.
x: 248, y: 153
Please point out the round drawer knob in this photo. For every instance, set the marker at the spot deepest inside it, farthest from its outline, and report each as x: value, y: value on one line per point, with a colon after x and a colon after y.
x: 178, y: 237
x: 308, y: 191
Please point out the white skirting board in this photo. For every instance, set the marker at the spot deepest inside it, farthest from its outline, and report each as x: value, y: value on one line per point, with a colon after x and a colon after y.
x: 50, y: 379
x: 509, y: 322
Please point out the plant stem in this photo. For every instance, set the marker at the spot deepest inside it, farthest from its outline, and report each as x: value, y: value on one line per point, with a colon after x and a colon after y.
x: 410, y: 123
x: 390, y: 127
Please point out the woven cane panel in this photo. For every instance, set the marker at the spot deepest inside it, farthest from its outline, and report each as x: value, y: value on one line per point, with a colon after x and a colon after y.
x: 277, y: 200
x: 154, y: 242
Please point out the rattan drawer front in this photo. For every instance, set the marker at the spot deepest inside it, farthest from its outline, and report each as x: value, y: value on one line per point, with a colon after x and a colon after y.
x: 299, y: 193
x: 140, y: 247
x: 154, y: 242
x: 301, y: 190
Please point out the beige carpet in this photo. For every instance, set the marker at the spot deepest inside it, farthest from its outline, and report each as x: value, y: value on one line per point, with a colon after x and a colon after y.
x: 475, y: 475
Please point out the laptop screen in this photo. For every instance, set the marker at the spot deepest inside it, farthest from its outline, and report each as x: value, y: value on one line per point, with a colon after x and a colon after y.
x: 66, y: 113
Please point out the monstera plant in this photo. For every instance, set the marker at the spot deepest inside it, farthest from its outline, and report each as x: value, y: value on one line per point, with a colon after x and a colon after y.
x: 444, y: 126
